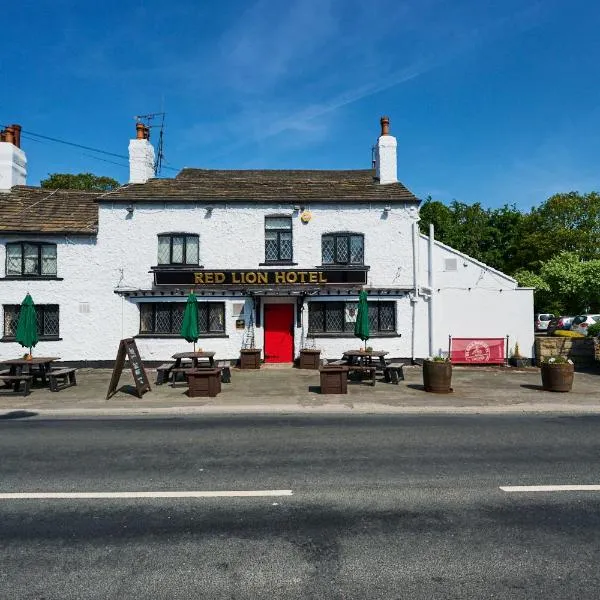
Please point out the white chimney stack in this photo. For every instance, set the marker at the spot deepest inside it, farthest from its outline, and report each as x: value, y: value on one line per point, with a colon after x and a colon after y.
x: 13, y: 162
x: 141, y: 156
x: 385, y: 155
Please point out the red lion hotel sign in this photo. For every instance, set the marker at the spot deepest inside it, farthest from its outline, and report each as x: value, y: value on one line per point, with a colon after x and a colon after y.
x: 490, y: 351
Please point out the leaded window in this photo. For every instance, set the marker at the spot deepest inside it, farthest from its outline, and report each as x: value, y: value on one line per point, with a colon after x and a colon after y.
x: 47, y: 320
x: 30, y: 259
x: 167, y: 317
x: 278, y: 239
x: 340, y: 317
x: 342, y: 249
x: 178, y: 249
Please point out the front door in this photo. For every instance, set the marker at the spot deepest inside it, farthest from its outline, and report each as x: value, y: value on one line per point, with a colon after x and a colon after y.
x: 279, y: 333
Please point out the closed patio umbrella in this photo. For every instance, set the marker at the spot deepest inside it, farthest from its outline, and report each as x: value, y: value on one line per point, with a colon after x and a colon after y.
x: 361, y: 326
x: 189, y: 325
x: 26, y: 334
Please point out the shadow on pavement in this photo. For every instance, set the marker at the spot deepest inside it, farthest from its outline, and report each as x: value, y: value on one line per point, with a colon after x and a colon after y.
x: 530, y: 386
x: 17, y: 414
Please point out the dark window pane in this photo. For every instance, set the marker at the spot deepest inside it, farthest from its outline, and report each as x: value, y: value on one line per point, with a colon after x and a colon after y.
x: 387, y: 316
x: 373, y: 316
x: 356, y: 249
x: 316, y: 316
x: 216, y: 317
x: 334, y: 316
x: 11, y: 318
x: 14, y: 254
x: 192, y: 254
x: 164, y: 250
x: 177, y: 317
x: 50, y: 324
x: 271, y: 246
x: 177, y: 249
x: 328, y: 247
x: 341, y: 249
x: 163, y: 318
x: 146, y: 317
x: 285, y: 245
x: 48, y: 259
x: 203, y: 318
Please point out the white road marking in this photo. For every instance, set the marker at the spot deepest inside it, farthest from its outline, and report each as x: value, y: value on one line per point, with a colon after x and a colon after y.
x: 550, y: 488
x: 85, y: 495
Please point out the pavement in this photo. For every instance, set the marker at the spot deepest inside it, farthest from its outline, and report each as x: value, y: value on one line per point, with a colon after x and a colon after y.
x: 283, y: 389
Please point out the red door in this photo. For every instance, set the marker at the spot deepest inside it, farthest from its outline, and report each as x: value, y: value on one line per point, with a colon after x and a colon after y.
x: 279, y: 333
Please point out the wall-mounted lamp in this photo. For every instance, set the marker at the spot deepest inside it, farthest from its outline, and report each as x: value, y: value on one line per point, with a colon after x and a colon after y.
x: 129, y: 209
x: 296, y: 207
x: 209, y: 210
x: 387, y: 209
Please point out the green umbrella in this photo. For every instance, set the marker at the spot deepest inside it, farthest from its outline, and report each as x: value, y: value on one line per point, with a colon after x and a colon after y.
x: 27, y: 326
x: 361, y: 326
x: 189, y: 326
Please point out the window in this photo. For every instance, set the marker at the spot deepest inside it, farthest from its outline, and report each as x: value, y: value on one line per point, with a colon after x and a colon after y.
x: 343, y: 249
x: 167, y: 317
x: 178, y: 249
x: 339, y: 317
x: 47, y: 320
x: 31, y: 259
x: 278, y: 239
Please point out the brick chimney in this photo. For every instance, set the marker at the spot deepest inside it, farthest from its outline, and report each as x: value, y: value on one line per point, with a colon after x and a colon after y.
x: 385, y: 155
x: 13, y: 162
x: 141, y: 155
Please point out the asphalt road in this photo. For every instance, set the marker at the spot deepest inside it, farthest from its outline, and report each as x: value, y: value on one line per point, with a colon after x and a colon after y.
x: 382, y: 507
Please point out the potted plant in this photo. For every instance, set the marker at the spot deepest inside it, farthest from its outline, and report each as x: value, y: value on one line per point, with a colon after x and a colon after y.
x: 310, y: 358
x: 557, y: 374
x: 516, y: 360
x: 437, y: 375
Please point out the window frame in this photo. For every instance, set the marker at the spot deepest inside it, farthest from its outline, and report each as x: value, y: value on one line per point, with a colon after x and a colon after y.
x: 337, y: 237
x: 178, y: 234
x: 348, y: 326
x: 39, y: 246
x: 41, y: 310
x: 176, y: 333
x: 279, y: 260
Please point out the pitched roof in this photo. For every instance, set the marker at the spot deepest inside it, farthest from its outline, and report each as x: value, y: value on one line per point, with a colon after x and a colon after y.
x: 35, y: 210
x: 264, y: 186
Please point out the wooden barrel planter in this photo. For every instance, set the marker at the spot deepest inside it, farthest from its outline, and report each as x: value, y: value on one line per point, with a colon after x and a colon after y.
x: 557, y: 377
x: 437, y: 376
x: 250, y: 358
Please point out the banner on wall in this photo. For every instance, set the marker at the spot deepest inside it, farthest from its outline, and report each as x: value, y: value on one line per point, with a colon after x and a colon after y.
x: 491, y: 351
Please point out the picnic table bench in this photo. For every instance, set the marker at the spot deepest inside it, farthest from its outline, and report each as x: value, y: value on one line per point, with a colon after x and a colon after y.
x: 62, y: 378
x: 13, y: 382
x: 393, y: 372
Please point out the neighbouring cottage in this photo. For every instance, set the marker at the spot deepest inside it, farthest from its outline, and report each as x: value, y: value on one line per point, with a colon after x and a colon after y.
x: 279, y: 256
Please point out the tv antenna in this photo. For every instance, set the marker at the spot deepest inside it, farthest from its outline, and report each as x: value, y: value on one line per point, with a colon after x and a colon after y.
x: 160, y: 123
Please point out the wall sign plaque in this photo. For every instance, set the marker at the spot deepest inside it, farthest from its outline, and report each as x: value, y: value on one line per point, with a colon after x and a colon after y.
x: 312, y: 277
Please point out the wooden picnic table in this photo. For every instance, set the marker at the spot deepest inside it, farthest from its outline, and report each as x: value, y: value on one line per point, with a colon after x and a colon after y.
x: 22, y: 366
x: 365, y: 359
x: 195, y: 357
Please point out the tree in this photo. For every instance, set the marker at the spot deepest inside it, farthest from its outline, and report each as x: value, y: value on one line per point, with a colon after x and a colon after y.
x: 82, y: 181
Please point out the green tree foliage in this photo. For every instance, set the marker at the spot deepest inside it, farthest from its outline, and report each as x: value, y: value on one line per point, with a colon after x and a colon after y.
x: 81, y: 181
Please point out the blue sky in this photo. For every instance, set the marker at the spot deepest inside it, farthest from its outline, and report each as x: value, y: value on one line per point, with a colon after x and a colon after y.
x: 491, y: 101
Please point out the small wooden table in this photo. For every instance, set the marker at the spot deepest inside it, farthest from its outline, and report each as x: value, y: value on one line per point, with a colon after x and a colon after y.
x: 366, y: 359
x: 195, y: 357
x: 22, y: 366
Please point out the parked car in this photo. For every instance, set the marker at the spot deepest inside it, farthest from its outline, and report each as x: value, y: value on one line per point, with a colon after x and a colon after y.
x: 563, y: 322
x: 582, y: 322
x: 542, y: 320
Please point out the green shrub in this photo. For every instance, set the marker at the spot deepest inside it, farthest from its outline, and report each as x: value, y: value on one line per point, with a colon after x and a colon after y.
x: 594, y: 330
x: 567, y: 333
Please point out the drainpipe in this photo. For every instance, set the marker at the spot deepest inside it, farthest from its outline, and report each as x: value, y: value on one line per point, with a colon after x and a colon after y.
x: 414, y: 297
x: 431, y: 287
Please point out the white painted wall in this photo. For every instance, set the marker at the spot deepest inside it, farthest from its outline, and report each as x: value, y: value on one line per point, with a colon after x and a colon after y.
x: 475, y: 300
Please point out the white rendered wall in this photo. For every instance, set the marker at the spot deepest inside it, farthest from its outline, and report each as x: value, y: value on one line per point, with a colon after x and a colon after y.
x: 13, y: 166
x: 475, y: 300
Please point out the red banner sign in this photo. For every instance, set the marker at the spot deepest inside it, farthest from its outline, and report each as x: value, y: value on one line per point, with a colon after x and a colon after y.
x: 477, y: 350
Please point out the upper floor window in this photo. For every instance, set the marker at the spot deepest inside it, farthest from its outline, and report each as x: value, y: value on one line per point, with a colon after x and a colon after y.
x: 278, y: 239
x: 47, y: 320
x: 178, y: 249
x: 343, y: 249
x: 30, y: 259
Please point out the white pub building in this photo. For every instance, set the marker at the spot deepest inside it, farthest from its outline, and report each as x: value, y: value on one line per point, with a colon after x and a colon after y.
x: 276, y: 258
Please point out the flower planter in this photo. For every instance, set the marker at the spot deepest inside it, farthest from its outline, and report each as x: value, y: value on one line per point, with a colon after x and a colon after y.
x: 310, y: 358
x: 334, y: 380
x: 437, y: 376
x: 203, y: 382
x: 250, y: 358
x: 557, y: 377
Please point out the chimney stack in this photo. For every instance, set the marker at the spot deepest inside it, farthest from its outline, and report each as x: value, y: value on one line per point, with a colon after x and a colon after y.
x: 385, y: 155
x: 141, y: 155
x: 13, y: 162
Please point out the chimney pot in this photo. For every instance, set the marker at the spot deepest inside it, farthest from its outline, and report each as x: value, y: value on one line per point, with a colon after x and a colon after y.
x: 17, y: 134
x: 9, y: 135
x: 385, y: 125
x: 140, y: 131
